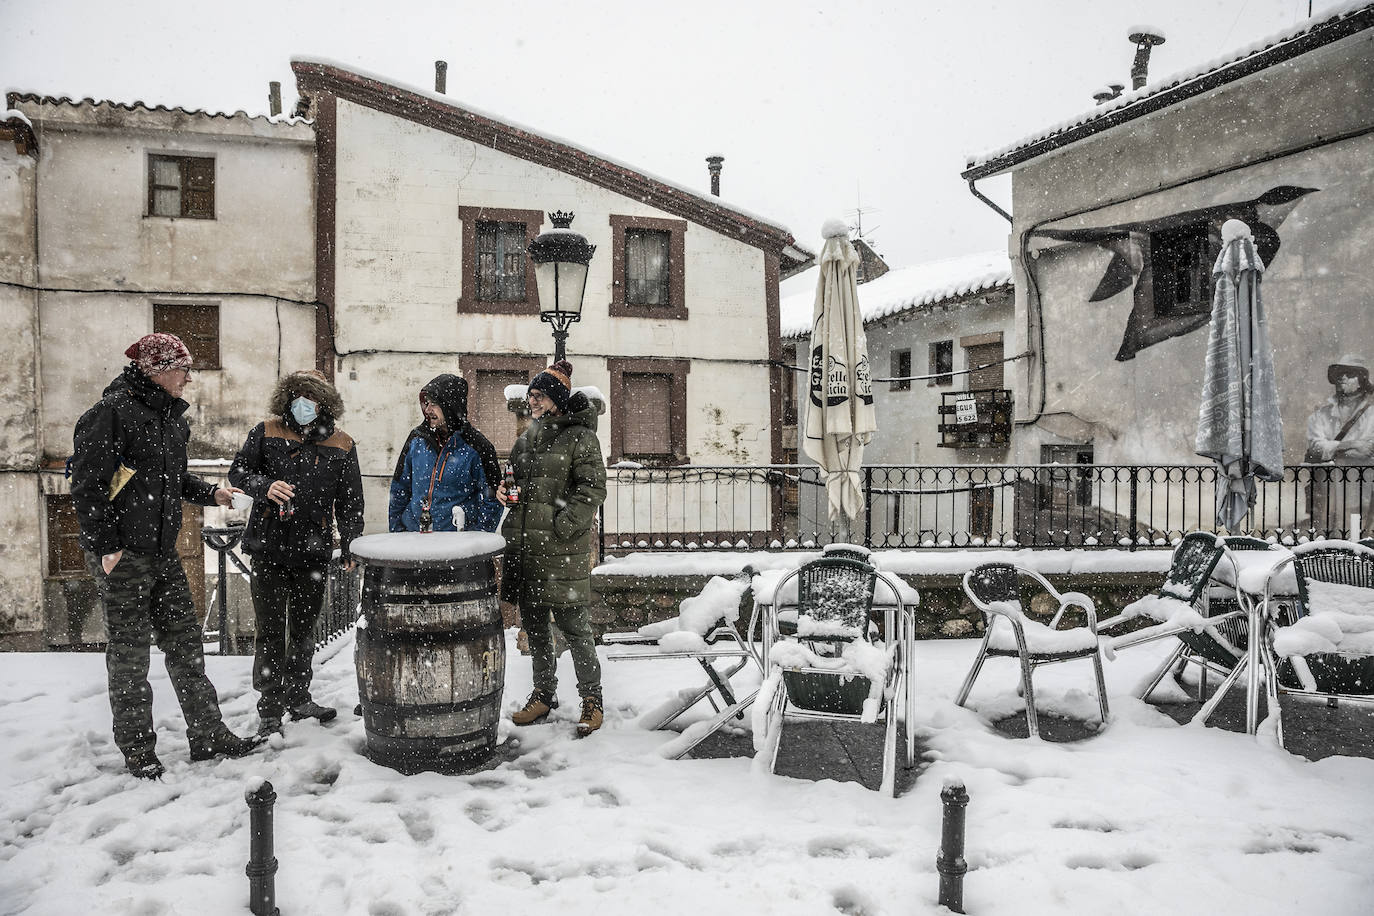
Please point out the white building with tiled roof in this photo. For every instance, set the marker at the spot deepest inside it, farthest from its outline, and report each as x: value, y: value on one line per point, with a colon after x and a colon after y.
x: 117, y: 220
x: 935, y: 331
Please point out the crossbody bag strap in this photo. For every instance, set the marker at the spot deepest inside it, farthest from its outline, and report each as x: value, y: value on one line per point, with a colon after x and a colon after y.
x: 1349, y: 424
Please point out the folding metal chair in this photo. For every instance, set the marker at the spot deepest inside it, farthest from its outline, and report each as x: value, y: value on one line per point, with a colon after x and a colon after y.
x: 723, y: 642
x: 1330, y: 644
x: 995, y: 589
x: 1200, y: 605
x: 834, y: 660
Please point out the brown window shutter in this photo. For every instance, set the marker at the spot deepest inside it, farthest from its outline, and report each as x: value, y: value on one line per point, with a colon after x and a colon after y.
x: 648, y: 415
x: 989, y: 355
x: 488, y: 411
x: 198, y: 187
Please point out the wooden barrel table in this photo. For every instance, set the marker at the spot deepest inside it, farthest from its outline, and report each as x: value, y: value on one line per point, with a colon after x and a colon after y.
x: 431, y: 650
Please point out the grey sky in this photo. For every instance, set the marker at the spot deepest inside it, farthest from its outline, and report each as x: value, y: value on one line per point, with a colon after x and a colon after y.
x: 815, y: 106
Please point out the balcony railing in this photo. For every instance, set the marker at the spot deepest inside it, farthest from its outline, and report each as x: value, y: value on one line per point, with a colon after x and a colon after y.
x: 975, y: 419
x: 1094, y: 506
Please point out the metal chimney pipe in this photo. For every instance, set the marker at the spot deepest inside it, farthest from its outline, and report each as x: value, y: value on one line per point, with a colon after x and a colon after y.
x: 441, y: 76
x: 274, y: 97
x: 713, y: 163
x: 1143, y: 38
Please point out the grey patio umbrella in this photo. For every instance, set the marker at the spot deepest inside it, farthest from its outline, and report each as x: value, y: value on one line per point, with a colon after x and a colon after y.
x: 1238, y: 421
x: 840, y: 418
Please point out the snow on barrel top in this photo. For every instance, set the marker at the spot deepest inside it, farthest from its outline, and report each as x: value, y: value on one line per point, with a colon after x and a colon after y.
x: 413, y: 547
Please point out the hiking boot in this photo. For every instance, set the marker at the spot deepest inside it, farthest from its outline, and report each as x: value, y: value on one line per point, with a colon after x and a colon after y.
x: 591, y: 716
x: 223, y: 743
x: 312, y: 710
x: 144, y: 764
x: 537, y: 708
x: 268, y: 726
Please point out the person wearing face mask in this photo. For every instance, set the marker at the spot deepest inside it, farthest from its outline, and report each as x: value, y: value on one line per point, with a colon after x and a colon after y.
x: 445, y: 463
x: 1341, y: 432
x: 302, y: 472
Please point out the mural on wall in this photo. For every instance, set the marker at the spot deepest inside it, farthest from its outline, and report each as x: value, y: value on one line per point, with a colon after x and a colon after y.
x: 1340, y: 433
x: 1167, y: 262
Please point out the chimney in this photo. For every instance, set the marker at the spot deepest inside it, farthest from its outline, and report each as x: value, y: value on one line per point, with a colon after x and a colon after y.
x: 274, y: 97
x: 713, y: 164
x: 1143, y: 37
x: 441, y: 76
x: 1107, y: 93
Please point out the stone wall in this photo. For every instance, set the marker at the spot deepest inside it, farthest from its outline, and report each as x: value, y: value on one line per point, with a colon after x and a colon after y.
x: 621, y: 603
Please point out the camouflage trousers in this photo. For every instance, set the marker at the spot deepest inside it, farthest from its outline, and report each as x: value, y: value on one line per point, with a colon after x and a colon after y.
x: 576, y: 626
x: 146, y: 600
x: 286, y: 604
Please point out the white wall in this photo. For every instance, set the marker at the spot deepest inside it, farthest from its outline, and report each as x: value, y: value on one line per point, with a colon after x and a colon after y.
x: 399, y: 277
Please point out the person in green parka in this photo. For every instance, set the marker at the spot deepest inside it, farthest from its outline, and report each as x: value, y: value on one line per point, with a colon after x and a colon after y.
x: 561, y: 479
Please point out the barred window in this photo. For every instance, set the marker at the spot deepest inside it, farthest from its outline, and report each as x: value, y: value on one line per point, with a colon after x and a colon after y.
x: 500, y: 261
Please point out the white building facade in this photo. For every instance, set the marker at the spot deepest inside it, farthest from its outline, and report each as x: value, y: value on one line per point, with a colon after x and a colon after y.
x: 119, y: 220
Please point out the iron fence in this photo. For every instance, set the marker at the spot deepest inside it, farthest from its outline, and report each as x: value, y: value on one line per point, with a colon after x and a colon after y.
x: 909, y: 506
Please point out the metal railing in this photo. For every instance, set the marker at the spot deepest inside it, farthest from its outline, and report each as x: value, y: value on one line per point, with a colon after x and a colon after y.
x: 343, y: 592
x: 1122, y: 506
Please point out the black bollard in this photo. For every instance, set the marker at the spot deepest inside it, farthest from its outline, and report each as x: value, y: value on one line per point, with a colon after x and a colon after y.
x: 950, y: 860
x: 262, y: 863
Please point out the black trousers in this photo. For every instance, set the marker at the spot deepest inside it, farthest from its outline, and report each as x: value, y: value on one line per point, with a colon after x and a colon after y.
x: 146, y: 600
x: 286, y: 604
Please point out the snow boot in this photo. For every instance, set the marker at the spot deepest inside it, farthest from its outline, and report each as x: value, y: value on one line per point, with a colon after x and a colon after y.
x: 591, y: 716
x: 536, y: 709
x: 268, y: 726
x: 224, y: 743
x: 312, y: 710
x: 144, y: 764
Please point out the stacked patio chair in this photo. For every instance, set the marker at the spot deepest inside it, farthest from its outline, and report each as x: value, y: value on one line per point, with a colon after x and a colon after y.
x: 995, y: 589
x: 1330, y: 645
x: 826, y: 657
x: 1199, y: 605
x: 722, y: 652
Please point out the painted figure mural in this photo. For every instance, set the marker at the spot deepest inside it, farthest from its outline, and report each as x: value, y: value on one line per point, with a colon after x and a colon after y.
x: 1340, y: 434
x: 1167, y: 262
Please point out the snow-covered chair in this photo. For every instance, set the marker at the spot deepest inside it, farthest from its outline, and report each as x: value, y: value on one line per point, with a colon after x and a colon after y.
x: 825, y: 657
x: 705, y: 631
x: 1199, y: 605
x: 1330, y: 645
x: 995, y: 589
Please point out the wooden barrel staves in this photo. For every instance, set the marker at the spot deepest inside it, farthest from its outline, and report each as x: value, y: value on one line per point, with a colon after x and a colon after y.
x: 431, y: 650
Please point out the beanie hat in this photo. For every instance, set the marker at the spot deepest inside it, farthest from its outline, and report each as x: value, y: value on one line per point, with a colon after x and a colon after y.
x: 556, y: 382
x: 159, y: 352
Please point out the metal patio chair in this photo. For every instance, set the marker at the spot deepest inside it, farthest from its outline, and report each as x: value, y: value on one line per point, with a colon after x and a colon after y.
x: 995, y: 589
x: 812, y: 672
x: 1330, y: 644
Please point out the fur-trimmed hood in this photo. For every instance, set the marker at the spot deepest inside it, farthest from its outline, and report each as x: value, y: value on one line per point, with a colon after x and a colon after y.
x: 307, y: 383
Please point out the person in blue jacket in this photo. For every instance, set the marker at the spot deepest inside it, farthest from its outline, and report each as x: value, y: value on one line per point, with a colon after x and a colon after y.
x: 445, y: 462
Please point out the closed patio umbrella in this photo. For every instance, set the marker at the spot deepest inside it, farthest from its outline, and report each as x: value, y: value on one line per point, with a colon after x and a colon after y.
x: 1238, y: 421
x: 840, y: 418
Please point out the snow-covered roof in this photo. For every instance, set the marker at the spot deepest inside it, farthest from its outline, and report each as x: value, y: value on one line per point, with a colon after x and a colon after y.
x: 906, y: 288
x: 13, y: 97
x: 417, y: 103
x: 1339, y: 21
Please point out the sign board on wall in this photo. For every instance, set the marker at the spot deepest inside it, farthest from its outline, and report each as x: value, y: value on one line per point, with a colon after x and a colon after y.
x: 965, y: 410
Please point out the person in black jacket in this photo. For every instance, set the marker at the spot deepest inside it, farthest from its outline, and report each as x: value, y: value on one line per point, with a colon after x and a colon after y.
x: 302, y: 472
x: 128, y: 481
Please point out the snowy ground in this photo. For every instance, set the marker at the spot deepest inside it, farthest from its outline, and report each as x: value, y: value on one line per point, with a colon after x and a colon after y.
x: 1147, y: 818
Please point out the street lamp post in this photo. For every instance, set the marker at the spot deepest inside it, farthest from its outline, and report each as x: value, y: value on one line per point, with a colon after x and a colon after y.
x: 560, y: 259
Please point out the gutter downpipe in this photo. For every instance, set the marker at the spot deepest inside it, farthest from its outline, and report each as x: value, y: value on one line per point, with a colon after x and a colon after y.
x: 973, y: 189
